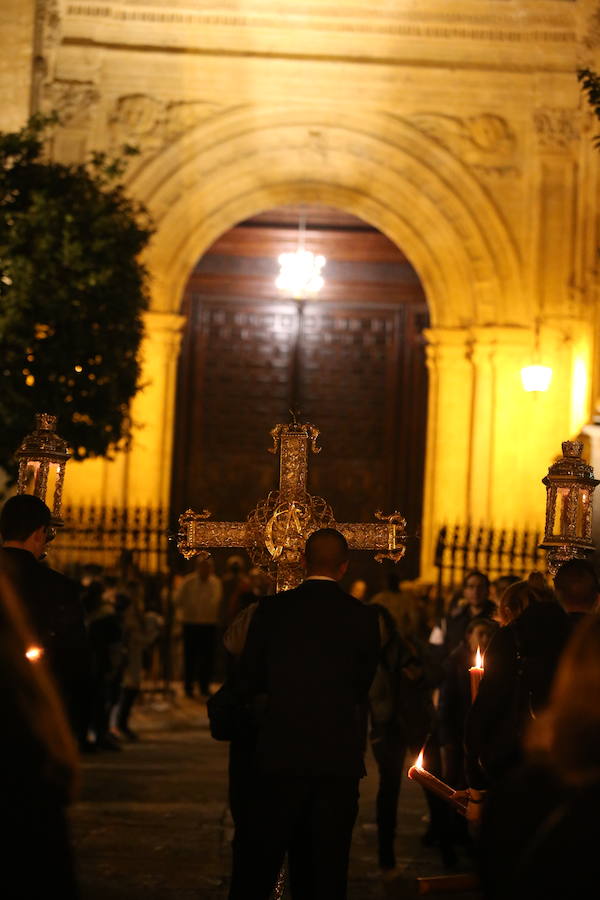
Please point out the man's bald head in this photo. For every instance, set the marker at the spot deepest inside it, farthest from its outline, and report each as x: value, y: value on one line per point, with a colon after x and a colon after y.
x: 576, y: 585
x: 326, y: 553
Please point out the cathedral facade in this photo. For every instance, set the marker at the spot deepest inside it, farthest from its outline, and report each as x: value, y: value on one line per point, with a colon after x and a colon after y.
x: 457, y: 129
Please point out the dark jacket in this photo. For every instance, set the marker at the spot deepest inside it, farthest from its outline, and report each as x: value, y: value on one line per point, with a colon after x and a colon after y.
x: 313, y: 651
x: 455, y: 696
x: 55, y: 614
x: 400, y: 703
x: 519, y: 667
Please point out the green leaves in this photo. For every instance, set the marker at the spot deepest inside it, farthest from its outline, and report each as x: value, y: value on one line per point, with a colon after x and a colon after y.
x: 590, y: 82
x: 72, y: 294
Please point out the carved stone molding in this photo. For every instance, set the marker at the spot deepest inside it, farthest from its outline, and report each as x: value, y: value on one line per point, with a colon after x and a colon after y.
x: 591, y: 39
x: 488, y: 25
x: 556, y: 128
x: 487, y: 133
x: 151, y: 123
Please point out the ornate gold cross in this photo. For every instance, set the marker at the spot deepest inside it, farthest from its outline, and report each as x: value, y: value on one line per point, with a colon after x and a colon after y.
x: 276, y: 530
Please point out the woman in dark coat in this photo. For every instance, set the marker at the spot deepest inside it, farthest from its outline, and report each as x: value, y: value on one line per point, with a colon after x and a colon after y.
x: 38, y: 763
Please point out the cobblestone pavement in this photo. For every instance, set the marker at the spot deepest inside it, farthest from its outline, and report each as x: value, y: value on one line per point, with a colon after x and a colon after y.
x: 152, y: 821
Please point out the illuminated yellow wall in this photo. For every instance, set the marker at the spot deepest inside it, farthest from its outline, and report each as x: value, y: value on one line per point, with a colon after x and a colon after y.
x: 456, y: 129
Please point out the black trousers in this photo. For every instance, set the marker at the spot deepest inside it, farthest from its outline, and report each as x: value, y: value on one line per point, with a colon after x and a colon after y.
x: 198, y: 656
x: 309, y: 817
x: 389, y: 753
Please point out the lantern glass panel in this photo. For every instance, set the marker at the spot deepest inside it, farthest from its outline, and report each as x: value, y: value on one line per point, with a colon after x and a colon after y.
x: 562, y: 511
x: 53, y: 472
x: 32, y: 474
x: 582, y: 511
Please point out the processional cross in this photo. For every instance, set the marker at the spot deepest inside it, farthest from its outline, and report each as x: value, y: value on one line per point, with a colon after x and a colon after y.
x: 276, y: 530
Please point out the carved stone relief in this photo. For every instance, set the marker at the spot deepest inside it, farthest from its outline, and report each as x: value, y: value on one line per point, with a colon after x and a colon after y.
x: 150, y: 123
x: 485, y: 141
x: 556, y: 128
x: 74, y: 100
x: 591, y: 39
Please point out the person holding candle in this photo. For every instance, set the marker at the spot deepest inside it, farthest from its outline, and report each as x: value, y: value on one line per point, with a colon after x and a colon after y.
x: 455, y: 698
x: 38, y: 766
x: 519, y: 666
x: 50, y: 602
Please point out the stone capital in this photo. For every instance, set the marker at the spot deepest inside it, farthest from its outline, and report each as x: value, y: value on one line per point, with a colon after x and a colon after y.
x: 446, y: 344
x: 164, y: 329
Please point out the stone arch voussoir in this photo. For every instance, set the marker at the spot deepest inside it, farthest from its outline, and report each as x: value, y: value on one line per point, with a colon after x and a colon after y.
x: 384, y: 170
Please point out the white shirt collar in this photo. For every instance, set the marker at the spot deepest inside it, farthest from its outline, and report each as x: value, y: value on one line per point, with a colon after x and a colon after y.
x: 319, y: 578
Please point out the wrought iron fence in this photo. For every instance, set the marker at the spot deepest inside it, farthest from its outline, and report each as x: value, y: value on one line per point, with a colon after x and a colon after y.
x: 495, y: 551
x: 104, y: 535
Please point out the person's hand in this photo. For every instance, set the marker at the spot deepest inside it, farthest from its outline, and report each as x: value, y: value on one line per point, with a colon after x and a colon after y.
x: 473, y: 801
x: 475, y: 805
x: 413, y: 671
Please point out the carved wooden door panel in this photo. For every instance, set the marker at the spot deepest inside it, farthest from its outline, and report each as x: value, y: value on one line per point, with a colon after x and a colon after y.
x: 362, y: 382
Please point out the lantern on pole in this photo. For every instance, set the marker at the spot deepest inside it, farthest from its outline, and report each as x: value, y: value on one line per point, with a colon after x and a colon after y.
x: 569, y: 484
x: 42, y: 459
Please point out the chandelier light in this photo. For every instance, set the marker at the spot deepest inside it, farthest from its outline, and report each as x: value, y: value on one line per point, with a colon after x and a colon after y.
x: 300, y: 273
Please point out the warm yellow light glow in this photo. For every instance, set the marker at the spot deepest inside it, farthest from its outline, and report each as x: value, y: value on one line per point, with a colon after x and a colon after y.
x: 536, y: 378
x: 300, y: 273
x: 419, y: 762
x: 478, y: 659
x: 34, y: 654
x: 579, y: 395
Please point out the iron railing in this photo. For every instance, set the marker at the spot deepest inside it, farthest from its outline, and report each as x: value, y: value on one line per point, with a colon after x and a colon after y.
x: 495, y: 551
x: 102, y: 535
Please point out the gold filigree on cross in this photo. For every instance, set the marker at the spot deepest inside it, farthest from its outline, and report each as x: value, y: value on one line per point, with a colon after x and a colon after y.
x: 276, y: 530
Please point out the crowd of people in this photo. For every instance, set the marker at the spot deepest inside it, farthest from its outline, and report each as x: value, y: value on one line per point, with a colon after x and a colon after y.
x: 306, y: 675
x: 523, y: 754
x: 522, y: 757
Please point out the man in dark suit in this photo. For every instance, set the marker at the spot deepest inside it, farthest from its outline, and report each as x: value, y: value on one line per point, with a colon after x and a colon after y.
x: 313, y: 652
x: 577, y: 588
x: 51, y: 603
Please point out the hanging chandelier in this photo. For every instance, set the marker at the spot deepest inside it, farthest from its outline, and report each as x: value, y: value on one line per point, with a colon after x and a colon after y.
x: 300, y: 273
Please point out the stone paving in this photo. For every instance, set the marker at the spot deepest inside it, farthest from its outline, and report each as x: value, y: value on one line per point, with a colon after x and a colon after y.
x: 152, y: 821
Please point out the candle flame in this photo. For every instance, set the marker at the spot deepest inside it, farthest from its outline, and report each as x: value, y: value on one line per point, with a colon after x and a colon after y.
x: 33, y: 654
x: 478, y: 659
x: 419, y: 762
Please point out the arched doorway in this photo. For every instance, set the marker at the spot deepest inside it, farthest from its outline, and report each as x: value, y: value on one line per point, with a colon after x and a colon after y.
x: 360, y: 372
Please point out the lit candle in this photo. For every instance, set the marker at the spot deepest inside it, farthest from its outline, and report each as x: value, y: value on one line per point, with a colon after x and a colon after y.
x: 434, y: 785
x: 476, y: 674
x: 34, y: 654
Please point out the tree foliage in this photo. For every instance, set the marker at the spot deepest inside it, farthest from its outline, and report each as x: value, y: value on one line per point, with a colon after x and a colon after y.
x: 72, y: 294
x: 590, y: 83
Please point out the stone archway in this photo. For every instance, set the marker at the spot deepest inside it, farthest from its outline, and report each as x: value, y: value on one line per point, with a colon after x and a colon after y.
x: 392, y: 175
x: 377, y: 167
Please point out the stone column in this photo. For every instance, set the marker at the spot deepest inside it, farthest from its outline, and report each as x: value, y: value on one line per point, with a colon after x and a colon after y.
x: 148, y: 476
x: 446, y: 493
x: 489, y: 442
